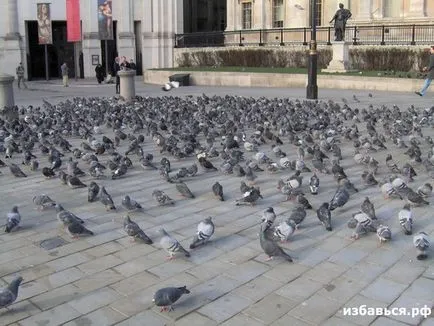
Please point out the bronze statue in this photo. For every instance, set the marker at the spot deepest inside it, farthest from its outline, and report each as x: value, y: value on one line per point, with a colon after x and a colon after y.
x: 340, y: 18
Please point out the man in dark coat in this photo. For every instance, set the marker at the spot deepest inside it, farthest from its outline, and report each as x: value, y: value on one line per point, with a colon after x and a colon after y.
x: 116, y: 68
x: 99, y: 71
x: 430, y: 71
x: 340, y: 18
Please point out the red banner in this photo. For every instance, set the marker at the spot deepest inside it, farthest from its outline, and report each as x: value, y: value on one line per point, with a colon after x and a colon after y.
x: 73, y: 29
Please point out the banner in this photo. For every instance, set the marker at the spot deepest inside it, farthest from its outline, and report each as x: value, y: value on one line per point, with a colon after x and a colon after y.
x: 73, y: 30
x: 44, y: 23
x: 105, y: 20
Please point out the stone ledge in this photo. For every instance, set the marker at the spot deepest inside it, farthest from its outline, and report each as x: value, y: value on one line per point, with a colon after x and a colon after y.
x: 246, y: 79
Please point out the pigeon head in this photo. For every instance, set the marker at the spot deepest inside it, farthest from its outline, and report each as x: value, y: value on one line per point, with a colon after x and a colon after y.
x: 269, y: 210
x: 15, y: 209
x: 184, y: 289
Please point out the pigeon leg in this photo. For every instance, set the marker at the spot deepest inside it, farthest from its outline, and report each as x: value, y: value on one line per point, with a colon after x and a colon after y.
x: 269, y: 258
x: 170, y: 257
x: 133, y: 240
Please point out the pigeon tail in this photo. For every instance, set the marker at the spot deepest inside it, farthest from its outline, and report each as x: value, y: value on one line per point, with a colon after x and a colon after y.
x: 197, y: 242
x: 422, y: 256
x: 144, y: 237
x: 10, y: 225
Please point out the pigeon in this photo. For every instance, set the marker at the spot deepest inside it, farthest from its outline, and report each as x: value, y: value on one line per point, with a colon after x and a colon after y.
x: 383, y: 233
x: 364, y: 225
x: 421, y: 242
x: 74, y: 182
x: 63, y: 177
x: 106, y: 199
x: 146, y: 162
x: 76, y: 229
x: 348, y: 185
x: 205, y: 229
x: 120, y: 171
x: 9, y: 294
x: 43, y: 201
x: 250, y: 197
x: 165, y: 164
x: 368, y: 208
x: 339, y: 199
x: 92, y: 192
x: 13, y: 220
x: 298, y: 214
x: 238, y: 171
x: 206, y: 165
x: 302, y: 200
x: 268, y: 217
x: 64, y: 216
x: 425, y: 190
x: 134, y: 230
x: 166, y: 297
x: 314, y: 184
x: 415, y: 199
x: 270, y: 248
x: 34, y: 165
x: 130, y: 204
x: 250, y: 175
x: 369, y: 179
x: 161, y: 198
x: 285, y: 229
x: 324, y: 215
x: 171, y: 245
x: 389, y: 191
x: 16, y: 171
x: 409, y: 172
x: 192, y: 170
x: 217, y: 190
x: 184, y: 190
x: 405, y: 218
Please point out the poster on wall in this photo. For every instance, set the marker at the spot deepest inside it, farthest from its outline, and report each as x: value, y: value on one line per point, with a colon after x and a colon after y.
x: 73, y: 30
x: 44, y: 23
x: 105, y: 20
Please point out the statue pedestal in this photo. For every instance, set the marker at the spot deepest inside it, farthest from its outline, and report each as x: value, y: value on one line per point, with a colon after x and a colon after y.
x: 6, y: 91
x: 340, y: 61
x: 127, y: 86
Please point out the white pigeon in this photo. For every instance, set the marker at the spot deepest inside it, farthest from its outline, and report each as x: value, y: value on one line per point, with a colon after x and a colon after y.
x: 285, y: 229
x: 421, y: 242
x: 405, y: 217
x: 205, y: 229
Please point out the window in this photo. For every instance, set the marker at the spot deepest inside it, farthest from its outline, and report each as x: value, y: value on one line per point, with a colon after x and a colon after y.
x: 247, y: 15
x: 391, y: 8
x: 278, y: 13
x: 318, y: 4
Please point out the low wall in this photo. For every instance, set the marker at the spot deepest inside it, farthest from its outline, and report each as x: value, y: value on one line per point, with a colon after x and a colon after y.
x: 202, y: 78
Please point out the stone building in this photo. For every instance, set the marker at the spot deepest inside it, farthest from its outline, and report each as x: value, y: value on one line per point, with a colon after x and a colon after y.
x: 264, y: 14
x: 144, y: 31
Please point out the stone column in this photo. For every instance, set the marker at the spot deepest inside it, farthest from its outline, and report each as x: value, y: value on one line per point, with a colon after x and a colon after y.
x: 91, y: 45
x: 365, y: 11
x: 340, y: 61
x: 230, y: 14
x: 13, y: 32
x: 127, y: 85
x: 6, y: 91
x: 417, y: 8
x: 12, y: 41
x: 126, y: 38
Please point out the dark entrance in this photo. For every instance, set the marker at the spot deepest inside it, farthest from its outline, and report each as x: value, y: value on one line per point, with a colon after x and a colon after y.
x: 58, y: 52
x: 111, y: 50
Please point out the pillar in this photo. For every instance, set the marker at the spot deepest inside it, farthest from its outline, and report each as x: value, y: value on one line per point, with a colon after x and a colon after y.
x: 6, y: 91
x: 126, y: 38
x: 365, y: 11
x: 230, y: 15
x: 12, y: 42
x: 91, y: 45
x: 127, y: 86
x: 417, y: 8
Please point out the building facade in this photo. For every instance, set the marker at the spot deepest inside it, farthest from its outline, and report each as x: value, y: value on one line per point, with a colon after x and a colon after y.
x: 265, y: 14
x: 143, y: 30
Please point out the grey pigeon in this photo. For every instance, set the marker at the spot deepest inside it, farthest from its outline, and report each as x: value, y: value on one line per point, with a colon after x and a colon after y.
x: 92, y: 192
x: 205, y: 229
x: 161, y: 198
x: 389, y: 191
x: 166, y: 297
x: 268, y: 217
x: 368, y: 179
x: 364, y: 225
x: 48, y: 172
x: 147, y: 164
x: 425, y: 190
x: 192, y: 170
x: 43, y: 201
x: 384, y: 233
x: 368, y: 207
x: 324, y: 215
x: 120, y: 171
x: 421, y: 242
x: 206, y: 165
x: 76, y: 229
x: 314, y: 184
x: 298, y: 214
x: 9, y: 294
x: 217, y: 190
x: 130, y: 204
x: 285, y: 229
x: 391, y: 164
x: 238, y: 170
x: 270, y: 248
x: 302, y: 200
x: 106, y: 199
x: 250, y: 197
x: 171, y: 245
x: 339, y: 199
x: 65, y: 216
x: 184, y: 190
x: 74, y: 182
x: 415, y: 199
x: 405, y: 218
x: 16, y: 171
x: 13, y: 219
x: 134, y: 230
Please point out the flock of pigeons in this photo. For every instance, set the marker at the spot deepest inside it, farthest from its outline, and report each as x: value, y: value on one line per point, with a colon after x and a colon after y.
x: 239, y: 137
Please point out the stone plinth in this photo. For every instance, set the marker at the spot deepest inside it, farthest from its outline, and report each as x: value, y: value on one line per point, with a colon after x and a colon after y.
x: 340, y: 61
x: 6, y: 91
x: 128, y: 88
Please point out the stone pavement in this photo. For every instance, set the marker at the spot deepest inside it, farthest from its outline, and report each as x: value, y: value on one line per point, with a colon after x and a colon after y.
x: 107, y: 280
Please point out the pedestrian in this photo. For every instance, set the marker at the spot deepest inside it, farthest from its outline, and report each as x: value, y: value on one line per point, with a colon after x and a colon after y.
x: 116, y: 69
x: 65, y: 70
x: 430, y: 71
x: 132, y: 65
x: 99, y: 71
x: 20, y: 75
x: 125, y: 64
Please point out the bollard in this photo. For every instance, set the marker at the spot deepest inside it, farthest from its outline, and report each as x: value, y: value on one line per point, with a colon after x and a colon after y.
x: 6, y: 91
x: 127, y: 86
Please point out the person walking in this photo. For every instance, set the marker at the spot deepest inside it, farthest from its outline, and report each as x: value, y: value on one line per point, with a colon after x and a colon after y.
x: 20, y: 75
x: 132, y: 65
x: 99, y: 70
x: 430, y: 71
x: 65, y: 70
x: 116, y: 68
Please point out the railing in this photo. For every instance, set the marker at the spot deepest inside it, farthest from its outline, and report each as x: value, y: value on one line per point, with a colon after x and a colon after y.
x: 358, y: 35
